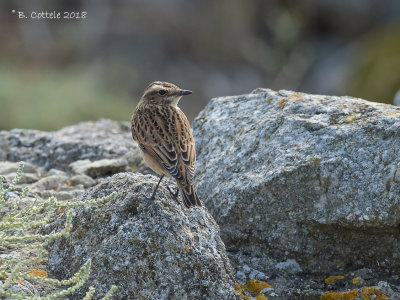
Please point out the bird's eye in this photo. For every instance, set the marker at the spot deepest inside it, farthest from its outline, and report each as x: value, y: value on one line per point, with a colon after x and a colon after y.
x: 162, y: 92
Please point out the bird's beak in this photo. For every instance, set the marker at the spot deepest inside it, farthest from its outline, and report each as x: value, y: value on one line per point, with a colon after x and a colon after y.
x: 185, y: 92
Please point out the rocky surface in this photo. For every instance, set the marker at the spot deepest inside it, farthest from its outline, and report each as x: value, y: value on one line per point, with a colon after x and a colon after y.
x: 150, y: 249
x: 90, y: 140
x: 306, y: 177
x: 305, y: 190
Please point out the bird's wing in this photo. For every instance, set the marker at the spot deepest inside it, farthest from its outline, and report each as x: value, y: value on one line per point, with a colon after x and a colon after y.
x: 166, y: 136
x: 187, y: 150
x: 187, y: 161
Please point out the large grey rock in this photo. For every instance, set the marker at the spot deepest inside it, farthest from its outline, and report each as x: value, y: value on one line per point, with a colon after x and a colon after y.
x: 305, y: 177
x: 151, y: 249
x: 88, y: 140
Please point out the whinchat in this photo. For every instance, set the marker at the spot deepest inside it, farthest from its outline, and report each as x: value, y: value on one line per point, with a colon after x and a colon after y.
x: 163, y: 133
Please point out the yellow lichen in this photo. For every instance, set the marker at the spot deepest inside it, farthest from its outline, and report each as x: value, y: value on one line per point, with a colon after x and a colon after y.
x: 350, y: 118
x: 238, y: 289
x: 369, y: 293
x: 254, y: 287
x: 268, y: 99
x: 38, y: 273
x: 332, y: 279
x: 393, y: 113
x: 296, y: 95
x: 356, y: 280
x: 261, y: 297
x: 315, y: 160
x: 68, y: 184
x: 281, y: 103
x: 350, y: 295
x: 133, y: 168
x: 61, y: 210
x: 20, y: 281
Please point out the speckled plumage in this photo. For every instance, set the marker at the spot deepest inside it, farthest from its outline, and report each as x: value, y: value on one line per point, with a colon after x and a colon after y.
x: 163, y: 133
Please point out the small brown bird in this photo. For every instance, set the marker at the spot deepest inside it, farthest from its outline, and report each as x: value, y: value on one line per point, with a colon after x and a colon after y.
x: 163, y: 133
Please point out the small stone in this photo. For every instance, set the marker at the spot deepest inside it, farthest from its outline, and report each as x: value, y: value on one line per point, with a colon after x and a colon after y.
x: 387, y: 290
x: 103, y: 167
x: 74, y: 191
x: 255, y: 274
x: 7, y: 167
x: 11, y: 195
x: 49, y: 182
x: 246, y: 268
x: 83, y: 179
x: 56, y: 172
x: 364, y: 273
x: 241, y: 277
x: 3, y: 154
x: 26, y: 178
x: 3, y: 145
x: 63, y: 196
x: 45, y: 194
x: 290, y: 266
x: 67, y: 187
x: 80, y: 166
x: 29, y: 168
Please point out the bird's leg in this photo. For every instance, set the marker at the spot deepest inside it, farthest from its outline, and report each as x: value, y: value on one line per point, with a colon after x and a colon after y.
x: 175, y: 195
x: 155, y: 190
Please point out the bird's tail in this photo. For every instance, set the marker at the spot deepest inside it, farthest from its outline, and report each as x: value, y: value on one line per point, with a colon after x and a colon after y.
x: 190, y: 197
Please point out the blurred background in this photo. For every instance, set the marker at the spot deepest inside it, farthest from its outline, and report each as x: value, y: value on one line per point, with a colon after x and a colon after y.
x: 56, y: 72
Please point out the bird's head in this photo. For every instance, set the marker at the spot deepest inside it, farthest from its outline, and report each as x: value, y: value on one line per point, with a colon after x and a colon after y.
x: 159, y: 92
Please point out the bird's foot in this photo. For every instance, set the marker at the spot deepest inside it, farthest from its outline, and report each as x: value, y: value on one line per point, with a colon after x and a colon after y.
x: 174, y: 194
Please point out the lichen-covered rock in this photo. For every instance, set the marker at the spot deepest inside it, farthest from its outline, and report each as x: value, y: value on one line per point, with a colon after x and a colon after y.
x: 305, y: 177
x: 150, y: 249
x: 88, y: 140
